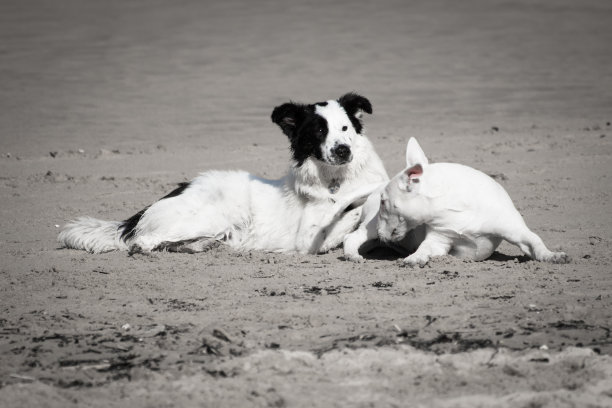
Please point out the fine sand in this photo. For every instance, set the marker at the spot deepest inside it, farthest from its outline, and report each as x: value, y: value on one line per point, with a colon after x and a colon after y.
x: 105, y: 106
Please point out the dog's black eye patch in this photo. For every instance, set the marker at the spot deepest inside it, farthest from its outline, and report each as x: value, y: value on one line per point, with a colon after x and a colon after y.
x: 344, y: 128
x: 311, y: 132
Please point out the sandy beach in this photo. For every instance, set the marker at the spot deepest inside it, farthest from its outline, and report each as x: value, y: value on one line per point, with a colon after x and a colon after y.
x: 106, y: 106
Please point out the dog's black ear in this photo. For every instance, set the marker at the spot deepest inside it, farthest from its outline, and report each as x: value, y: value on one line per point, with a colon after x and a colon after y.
x: 355, y: 104
x: 286, y: 116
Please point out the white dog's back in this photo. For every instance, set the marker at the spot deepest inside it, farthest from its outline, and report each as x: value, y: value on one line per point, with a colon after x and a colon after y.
x: 467, y: 200
x: 470, y: 206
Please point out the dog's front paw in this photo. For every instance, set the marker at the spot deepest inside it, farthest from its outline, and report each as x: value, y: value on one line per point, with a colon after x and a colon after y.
x: 351, y: 245
x: 559, y: 258
x: 415, y: 260
x: 354, y: 258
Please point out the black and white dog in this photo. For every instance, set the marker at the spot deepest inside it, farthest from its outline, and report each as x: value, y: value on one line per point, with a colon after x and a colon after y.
x: 333, y: 169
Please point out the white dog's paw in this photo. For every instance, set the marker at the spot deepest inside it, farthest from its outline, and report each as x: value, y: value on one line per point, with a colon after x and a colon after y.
x: 415, y: 260
x: 558, y: 258
x: 354, y: 258
x: 351, y: 245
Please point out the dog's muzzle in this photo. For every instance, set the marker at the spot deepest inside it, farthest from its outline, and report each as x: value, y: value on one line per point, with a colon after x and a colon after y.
x: 342, y: 154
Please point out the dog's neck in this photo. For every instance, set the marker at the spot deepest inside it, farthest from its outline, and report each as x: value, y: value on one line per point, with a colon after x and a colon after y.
x: 316, y: 180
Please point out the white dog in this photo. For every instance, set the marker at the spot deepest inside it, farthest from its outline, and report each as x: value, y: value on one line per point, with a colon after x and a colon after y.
x: 333, y: 168
x: 450, y: 209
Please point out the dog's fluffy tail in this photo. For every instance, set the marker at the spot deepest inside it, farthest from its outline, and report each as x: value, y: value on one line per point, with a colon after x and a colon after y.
x: 92, y: 235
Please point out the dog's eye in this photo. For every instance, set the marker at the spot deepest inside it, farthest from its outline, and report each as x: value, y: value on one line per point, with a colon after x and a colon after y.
x: 344, y: 128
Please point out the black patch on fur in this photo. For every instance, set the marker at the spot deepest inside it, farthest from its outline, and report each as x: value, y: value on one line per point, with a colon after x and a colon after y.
x: 287, y: 116
x: 352, y: 104
x: 350, y: 208
x: 129, y: 225
x: 177, y: 191
x: 305, y: 129
x: 309, y: 137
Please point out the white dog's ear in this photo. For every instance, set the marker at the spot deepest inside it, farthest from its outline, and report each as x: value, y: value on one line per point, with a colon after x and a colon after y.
x: 415, y: 155
x: 410, y: 176
x: 414, y: 172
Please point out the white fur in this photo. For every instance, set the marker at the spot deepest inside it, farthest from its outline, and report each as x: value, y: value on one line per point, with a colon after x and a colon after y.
x: 463, y: 212
x: 296, y: 213
x: 92, y: 235
x: 336, y: 120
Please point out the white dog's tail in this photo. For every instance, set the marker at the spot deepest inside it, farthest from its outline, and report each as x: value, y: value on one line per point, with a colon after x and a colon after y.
x: 93, y: 235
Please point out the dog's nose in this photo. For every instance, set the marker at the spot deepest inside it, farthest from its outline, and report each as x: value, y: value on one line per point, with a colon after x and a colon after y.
x: 342, y: 151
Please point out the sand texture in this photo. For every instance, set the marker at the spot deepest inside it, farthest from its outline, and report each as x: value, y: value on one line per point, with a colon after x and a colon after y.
x: 106, y: 105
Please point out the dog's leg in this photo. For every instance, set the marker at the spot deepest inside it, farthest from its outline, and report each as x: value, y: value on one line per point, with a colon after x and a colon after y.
x: 310, y: 229
x: 531, y: 244
x: 367, y: 232
x: 352, y: 243
x: 368, y: 193
x: 190, y: 246
x: 333, y: 235
x: 323, y: 227
x: 434, y: 244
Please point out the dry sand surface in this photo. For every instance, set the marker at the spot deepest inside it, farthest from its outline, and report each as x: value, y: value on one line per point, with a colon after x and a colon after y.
x: 105, y: 106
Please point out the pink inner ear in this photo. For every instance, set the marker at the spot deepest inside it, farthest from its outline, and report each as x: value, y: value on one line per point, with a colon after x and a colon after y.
x: 414, y: 172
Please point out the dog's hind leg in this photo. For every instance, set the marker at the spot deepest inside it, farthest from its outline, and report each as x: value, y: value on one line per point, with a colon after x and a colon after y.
x: 189, y: 246
x: 531, y: 244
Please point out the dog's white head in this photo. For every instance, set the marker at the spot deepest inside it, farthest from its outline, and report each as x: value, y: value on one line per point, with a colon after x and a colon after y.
x: 325, y: 131
x: 402, y: 208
